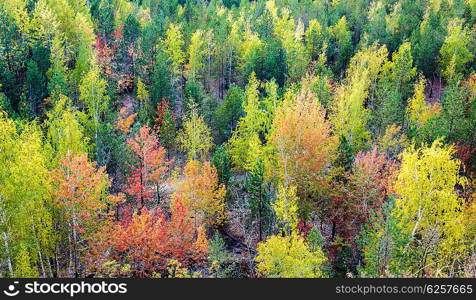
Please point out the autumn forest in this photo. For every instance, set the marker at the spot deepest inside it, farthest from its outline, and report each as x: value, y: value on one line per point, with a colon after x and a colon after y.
x: 237, y: 139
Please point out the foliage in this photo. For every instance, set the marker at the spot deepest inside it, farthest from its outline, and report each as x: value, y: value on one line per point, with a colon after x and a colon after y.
x: 219, y: 257
x: 303, y: 142
x: 289, y: 257
x: 148, y: 168
x: 147, y: 242
x: 430, y: 205
x: 202, y: 194
x: 249, y: 128
x: 195, y: 137
x: 259, y: 201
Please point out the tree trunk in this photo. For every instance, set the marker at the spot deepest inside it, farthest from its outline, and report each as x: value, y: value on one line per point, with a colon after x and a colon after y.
x: 9, y: 261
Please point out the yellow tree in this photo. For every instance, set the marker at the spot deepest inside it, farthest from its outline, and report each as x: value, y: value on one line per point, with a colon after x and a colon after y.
x: 93, y: 93
x: 65, y: 134
x: 196, y: 53
x: 142, y: 93
x: 25, y: 217
x: 248, y: 46
x: 195, y: 137
x: 314, y: 39
x: 430, y: 206
x: 418, y: 111
x: 202, y: 194
x: 173, y: 46
x: 289, y: 257
x: 286, y: 208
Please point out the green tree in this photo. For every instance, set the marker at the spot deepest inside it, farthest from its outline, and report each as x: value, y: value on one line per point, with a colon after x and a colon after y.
x: 426, y: 42
x: 383, y: 242
x: 341, y: 42
x: 229, y: 112
x: 221, y: 161
x: 259, y: 200
x: 161, y: 79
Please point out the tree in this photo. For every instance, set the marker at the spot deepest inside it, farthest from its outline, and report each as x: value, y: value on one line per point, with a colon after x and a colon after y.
x: 286, y: 208
x: 383, y: 242
x: 196, y: 53
x: 289, y: 257
x: 168, y: 130
x: 144, y: 100
x: 58, y: 72
x: 185, y: 242
x: 161, y: 79
x: 253, y: 124
x: 361, y: 193
x: 291, y: 37
x: 173, y: 49
x: 201, y: 193
x: 419, y: 112
x: 248, y: 49
x: 221, y: 161
x: 342, y: 42
x: 219, y: 258
x: 314, y: 39
x: 430, y: 207
x: 454, y: 53
x: 92, y: 91
x: 135, y: 243
x: 36, y: 80
x: 81, y: 193
x: 393, y: 89
x: 65, y: 134
x: 173, y: 44
x: 259, y: 200
x: 303, y: 142
x: 456, y: 119
x: 349, y: 114
x: 148, y: 167
x: 427, y: 43
x: 195, y: 137
x: 229, y: 112
x: 26, y: 229
x: 147, y: 243
x: 375, y: 29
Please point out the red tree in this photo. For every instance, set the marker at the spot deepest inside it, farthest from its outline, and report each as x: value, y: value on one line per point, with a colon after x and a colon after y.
x: 147, y: 242
x: 364, y: 190
x: 148, y: 168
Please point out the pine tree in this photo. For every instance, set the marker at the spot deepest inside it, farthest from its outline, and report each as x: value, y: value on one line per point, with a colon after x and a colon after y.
x: 259, y: 200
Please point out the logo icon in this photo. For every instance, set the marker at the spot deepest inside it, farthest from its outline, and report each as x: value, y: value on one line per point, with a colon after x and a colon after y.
x: 11, y: 290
